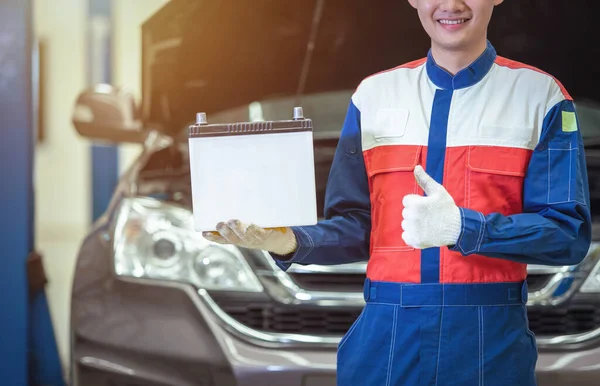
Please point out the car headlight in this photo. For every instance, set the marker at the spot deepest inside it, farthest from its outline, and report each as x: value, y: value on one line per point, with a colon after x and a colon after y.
x: 157, y: 240
x: 592, y: 283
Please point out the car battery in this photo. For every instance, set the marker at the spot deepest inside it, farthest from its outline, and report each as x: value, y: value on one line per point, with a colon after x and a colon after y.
x: 260, y: 173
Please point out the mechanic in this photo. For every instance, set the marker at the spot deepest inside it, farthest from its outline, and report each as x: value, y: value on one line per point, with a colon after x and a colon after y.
x: 452, y: 173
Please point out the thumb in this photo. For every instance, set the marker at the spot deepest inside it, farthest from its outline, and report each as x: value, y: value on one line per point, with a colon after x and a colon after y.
x: 428, y: 184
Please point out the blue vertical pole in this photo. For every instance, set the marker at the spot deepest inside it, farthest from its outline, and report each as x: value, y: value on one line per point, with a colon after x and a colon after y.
x: 105, y: 166
x: 44, y: 367
x: 15, y: 186
x: 28, y: 353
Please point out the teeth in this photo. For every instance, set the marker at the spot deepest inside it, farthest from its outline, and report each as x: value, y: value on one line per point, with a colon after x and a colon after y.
x: 453, y: 21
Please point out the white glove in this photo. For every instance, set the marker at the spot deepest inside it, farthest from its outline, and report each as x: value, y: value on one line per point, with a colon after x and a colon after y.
x: 433, y: 220
x: 277, y: 240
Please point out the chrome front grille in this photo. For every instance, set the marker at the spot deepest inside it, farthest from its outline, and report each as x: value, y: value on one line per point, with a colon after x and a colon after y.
x: 292, y: 319
x: 274, y: 317
x: 354, y: 282
x: 536, y: 282
x: 329, y: 282
x: 317, y: 305
x: 543, y: 321
x: 564, y: 319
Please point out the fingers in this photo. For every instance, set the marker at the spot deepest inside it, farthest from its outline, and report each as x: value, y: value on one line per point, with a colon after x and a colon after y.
x: 424, y: 180
x: 236, y: 232
x: 238, y: 228
x: 412, y: 220
x: 408, y: 239
x: 256, y: 234
x: 412, y: 236
x: 215, y: 237
x: 408, y: 231
x: 227, y: 231
x: 413, y: 200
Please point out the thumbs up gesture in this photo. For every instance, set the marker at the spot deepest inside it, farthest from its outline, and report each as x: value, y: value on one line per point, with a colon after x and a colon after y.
x: 433, y: 220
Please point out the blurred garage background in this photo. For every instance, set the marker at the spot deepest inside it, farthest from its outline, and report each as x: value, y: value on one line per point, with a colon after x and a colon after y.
x: 64, y: 160
x: 146, y: 313
x: 73, y: 38
x: 64, y: 170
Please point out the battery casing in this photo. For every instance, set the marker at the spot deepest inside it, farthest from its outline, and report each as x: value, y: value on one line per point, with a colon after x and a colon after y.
x: 256, y: 172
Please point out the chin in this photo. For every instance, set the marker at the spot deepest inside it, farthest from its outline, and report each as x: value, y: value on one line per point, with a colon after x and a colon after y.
x: 451, y: 45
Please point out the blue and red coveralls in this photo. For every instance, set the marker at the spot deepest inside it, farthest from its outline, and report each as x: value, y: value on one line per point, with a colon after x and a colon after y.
x: 503, y: 139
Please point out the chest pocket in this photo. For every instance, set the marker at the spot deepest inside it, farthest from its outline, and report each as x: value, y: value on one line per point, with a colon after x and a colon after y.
x: 391, y: 177
x: 495, y: 178
x: 389, y: 123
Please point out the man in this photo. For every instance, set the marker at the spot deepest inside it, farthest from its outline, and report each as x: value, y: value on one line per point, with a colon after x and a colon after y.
x: 452, y: 173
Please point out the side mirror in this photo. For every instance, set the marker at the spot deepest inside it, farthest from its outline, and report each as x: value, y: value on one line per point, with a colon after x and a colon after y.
x: 107, y: 113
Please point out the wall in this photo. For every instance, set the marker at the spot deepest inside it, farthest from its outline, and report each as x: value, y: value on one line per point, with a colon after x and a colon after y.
x: 62, y: 178
x: 62, y: 164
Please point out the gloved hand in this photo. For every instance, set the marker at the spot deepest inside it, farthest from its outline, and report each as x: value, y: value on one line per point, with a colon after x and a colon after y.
x: 433, y: 220
x: 277, y: 240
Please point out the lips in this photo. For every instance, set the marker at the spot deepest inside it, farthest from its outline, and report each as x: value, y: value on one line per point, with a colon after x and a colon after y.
x: 452, y: 21
x: 453, y: 24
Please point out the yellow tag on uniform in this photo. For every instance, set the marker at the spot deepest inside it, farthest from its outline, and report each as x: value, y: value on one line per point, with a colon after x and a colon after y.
x: 569, y: 121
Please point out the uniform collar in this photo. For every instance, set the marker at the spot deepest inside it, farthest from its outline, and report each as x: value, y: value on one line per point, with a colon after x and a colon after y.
x: 464, y: 78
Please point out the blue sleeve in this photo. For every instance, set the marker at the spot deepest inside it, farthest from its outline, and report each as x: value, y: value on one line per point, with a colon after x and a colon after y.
x: 555, y: 226
x: 344, y: 235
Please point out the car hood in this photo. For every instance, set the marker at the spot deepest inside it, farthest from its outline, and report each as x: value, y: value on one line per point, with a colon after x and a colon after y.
x: 215, y: 55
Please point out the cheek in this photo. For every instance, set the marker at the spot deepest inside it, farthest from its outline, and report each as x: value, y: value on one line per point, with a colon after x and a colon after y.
x: 484, y: 12
x: 428, y: 5
x: 426, y: 10
x: 483, y: 19
x: 427, y: 20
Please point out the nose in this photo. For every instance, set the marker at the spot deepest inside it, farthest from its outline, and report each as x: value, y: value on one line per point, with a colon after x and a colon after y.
x: 452, y: 6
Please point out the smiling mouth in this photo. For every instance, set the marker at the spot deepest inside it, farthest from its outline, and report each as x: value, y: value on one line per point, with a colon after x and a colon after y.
x: 452, y: 22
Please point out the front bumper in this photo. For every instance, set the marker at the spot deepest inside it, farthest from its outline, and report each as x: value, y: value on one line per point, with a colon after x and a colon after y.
x: 141, y: 332
x: 160, y: 333
x: 575, y: 368
x: 148, y: 333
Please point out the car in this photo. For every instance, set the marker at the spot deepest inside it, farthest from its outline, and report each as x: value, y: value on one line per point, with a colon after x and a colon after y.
x: 153, y: 303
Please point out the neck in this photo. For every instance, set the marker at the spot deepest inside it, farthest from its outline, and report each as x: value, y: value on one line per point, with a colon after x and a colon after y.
x: 455, y: 60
